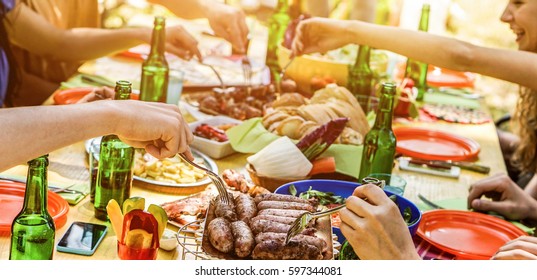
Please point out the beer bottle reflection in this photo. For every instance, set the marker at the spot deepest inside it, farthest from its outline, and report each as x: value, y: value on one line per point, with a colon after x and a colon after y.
x: 154, y: 84
x: 32, y: 231
x: 114, y: 176
x: 380, y: 142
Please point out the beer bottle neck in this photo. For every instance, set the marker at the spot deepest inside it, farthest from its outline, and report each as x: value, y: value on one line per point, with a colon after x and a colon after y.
x: 35, y: 197
x: 424, y: 19
x: 123, y: 90
x: 362, y: 59
x: 158, y: 38
x: 385, y: 110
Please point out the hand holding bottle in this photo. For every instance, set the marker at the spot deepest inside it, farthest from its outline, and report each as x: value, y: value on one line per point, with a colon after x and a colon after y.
x: 98, y: 94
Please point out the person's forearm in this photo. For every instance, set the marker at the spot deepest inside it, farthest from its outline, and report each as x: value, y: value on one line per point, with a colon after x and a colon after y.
x: 29, y: 132
x: 32, y: 32
x: 188, y: 9
x: 510, y: 65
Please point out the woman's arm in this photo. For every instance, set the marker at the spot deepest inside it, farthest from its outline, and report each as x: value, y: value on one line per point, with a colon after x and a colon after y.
x: 321, y: 35
x: 28, y: 132
x: 32, y: 32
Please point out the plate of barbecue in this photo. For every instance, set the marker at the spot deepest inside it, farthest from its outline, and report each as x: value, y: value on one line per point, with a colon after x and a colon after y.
x: 255, y: 228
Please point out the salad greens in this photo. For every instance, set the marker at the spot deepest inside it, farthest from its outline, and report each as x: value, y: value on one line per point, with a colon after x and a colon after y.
x: 324, y: 198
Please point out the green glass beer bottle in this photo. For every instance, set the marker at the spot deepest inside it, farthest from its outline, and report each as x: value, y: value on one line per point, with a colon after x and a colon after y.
x: 114, y: 176
x: 360, y: 77
x: 416, y: 70
x: 277, y: 25
x: 154, y: 84
x: 380, y: 142
x: 32, y: 231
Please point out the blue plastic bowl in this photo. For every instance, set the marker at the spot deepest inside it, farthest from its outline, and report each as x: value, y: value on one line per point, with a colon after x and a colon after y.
x: 345, y: 189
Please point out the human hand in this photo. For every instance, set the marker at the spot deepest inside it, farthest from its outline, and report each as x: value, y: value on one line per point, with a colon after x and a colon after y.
x: 522, y: 248
x: 508, y: 199
x: 319, y: 35
x: 375, y: 227
x: 181, y: 43
x: 103, y: 93
x: 157, y: 127
x: 229, y: 23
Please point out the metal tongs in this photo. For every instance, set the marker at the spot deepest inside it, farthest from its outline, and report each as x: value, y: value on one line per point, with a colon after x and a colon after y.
x: 303, y: 220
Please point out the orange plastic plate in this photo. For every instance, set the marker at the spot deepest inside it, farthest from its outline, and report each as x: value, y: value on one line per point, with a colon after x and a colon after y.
x: 442, y: 77
x: 12, y: 198
x: 434, y: 145
x: 467, y: 235
x: 72, y: 95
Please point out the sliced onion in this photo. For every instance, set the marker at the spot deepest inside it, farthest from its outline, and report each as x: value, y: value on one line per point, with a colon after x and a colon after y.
x: 280, y: 159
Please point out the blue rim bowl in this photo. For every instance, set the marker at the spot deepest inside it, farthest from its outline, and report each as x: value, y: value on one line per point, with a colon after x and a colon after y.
x: 345, y: 189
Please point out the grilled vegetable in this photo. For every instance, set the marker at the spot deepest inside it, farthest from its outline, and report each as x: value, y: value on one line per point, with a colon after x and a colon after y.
x: 316, y: 142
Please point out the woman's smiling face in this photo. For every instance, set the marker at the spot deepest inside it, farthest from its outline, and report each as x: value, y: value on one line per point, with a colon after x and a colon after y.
x: 522, y: 18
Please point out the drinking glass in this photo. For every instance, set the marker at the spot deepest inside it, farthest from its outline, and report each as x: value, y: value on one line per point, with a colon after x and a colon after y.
x: 394, y: 183
x: 175, y: 86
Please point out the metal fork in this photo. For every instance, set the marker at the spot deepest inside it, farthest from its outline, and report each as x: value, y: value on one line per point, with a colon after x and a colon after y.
x: 217, y: 181
x: 303, y: 220
x: 282, y: 74
x: 247, y: 71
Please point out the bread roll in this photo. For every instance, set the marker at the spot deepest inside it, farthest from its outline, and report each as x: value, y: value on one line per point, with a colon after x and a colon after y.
x: 289, y: 127
x: 289, y: 99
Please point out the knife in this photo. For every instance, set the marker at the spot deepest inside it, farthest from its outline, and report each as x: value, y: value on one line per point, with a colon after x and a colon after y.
x: 448, y: 163
x: 429, y: 203
x: 97, y: 80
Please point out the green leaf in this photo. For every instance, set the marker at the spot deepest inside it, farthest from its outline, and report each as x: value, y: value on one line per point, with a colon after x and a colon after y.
x: 292, y: 190
x: 407, y: 215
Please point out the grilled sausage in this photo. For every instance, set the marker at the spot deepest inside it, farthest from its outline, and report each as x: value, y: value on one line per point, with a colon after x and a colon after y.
x: 225, y: 210
x: 278, y: 197
x: 220, y: 235
x: 268, y: 226
x: 280, y: 237
x: 294, y: 250
x: 285, y: 205
x: 245, y: 207
x: 244, y: 238
x: 279, y: 219
x: 281, y: 212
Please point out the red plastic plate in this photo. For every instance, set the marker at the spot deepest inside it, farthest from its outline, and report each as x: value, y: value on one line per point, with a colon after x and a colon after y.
x: 434, y: 145
x: 12, y: 198
x: 467, y: 235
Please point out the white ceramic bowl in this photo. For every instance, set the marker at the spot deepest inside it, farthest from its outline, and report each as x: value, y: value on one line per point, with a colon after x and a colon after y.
x: 213, y: 149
